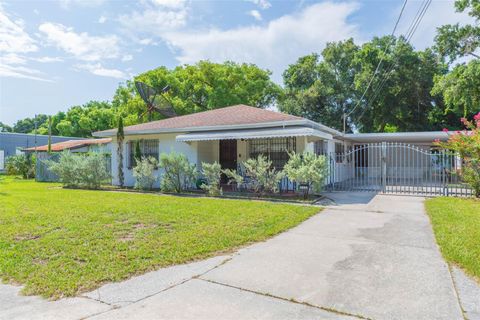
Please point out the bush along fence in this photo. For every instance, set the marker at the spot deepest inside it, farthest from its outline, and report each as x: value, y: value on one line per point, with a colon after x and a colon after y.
x: 74, y: 169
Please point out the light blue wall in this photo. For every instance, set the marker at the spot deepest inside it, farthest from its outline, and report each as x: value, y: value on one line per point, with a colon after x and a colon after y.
x: 10, y: 142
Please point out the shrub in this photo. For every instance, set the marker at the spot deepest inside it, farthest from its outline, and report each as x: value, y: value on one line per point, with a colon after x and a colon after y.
x: 233, y: 176
x: 23, y: 165
x: 264, y: 177
x: 93, y: 170
x: 212, y: 173
x: 179, y: 174
x: 144, y: 173
x: 80, y: 170
x: 307, y: 168
x: 467, y: 144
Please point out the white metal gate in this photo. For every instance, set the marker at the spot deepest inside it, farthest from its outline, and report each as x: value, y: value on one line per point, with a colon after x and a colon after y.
x: 397, y: 168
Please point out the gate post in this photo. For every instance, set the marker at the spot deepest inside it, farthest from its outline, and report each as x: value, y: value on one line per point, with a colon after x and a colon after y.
x: 384, y: 167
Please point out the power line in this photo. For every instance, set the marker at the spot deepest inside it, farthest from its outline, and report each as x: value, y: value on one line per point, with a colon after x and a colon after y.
x: 345, y: 115
x: 410, y: 32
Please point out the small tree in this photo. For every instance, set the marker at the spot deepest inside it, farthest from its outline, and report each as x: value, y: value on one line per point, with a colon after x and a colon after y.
x: 308, y: 169
x: 265, y: 178
x: 467, y: 144
x: 120, y: 139
x: 212, y: 173
x: 178, y: 174
x: 23, y: 165
x: 144, y: 173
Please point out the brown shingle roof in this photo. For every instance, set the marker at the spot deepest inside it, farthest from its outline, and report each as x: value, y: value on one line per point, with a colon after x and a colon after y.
x: 70, y: 144
x: 234, y: 115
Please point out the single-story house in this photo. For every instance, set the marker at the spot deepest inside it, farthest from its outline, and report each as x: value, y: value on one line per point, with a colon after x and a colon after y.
x: 13, y: 143
x: 233, y: 134
x: 76, y: 146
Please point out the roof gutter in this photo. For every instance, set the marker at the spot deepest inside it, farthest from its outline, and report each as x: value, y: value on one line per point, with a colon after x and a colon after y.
x: 301, y: 122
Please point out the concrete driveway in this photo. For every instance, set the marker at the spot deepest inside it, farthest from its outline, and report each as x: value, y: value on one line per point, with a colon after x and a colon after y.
x: 369, y: 257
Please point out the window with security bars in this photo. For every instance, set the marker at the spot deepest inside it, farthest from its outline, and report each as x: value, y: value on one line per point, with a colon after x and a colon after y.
x: 320, y: 147
x: 148, y: 148
x: 275, y: 149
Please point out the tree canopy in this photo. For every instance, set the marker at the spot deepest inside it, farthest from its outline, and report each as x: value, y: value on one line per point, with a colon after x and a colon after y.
x: 323, y: 88
x: 460, y: 87
x: 413, y: 90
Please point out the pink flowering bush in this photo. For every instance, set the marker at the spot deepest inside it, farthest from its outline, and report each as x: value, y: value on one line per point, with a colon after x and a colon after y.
x: 467, y: 144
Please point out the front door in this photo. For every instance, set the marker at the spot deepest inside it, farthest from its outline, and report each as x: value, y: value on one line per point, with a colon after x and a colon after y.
x: 228, y: 154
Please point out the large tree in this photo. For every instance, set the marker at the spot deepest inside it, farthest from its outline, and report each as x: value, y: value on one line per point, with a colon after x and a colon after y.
x: 460, y: 88
x: 27, y: 125
x: 398, y: 99
x: 202, y: 86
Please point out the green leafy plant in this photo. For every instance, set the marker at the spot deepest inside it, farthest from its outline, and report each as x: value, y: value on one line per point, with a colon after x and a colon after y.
x: 144, y: 173
x: 233, y: 176
x: 264, y: 177
x: 467, y: 144
x: 212, y: 173
x: 308, y: 169
x: 178, y: 174
x: 22, y: 165
x: 86, y: 171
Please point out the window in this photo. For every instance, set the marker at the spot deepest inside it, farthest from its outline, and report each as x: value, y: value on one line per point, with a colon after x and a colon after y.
x: 275, y: 149
x: 320, y: 147
x: 339, y: 151
x: 148, y: 148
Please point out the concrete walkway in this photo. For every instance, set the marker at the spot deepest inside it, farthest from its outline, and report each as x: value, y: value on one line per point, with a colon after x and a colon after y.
x: 369, y: 257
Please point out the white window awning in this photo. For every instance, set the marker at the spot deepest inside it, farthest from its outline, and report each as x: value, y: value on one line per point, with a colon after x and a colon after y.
x: 312, y: 134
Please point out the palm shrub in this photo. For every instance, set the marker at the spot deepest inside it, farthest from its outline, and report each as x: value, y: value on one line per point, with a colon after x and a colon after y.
x: 212, y: 173
x: 308, y: 169
x: 22, y: 165
x: 178, y: 174
x: 467, y: 144
x: 144, y: 173
x: 265, y: 178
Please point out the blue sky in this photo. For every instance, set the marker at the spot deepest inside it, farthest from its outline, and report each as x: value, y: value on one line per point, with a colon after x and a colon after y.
x: 56, y: 54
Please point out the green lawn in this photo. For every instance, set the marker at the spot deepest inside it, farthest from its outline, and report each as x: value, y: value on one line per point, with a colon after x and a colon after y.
x: 59, y: 242
x: 456, y: 223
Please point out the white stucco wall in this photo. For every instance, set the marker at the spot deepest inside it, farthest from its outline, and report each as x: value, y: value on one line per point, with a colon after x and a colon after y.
x: 167, y: 144
x: 208, y: 152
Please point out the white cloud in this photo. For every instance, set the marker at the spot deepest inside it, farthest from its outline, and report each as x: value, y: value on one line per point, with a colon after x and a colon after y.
x: 81, y: 45
x: 273, y: 46
x: 127, y: 57
x: 13, y: 37
x: 21, y: 72
x: 255, y: 14
x: 156, y: 16
x: 102, y: 19
x: 14, y: 43
x: 172, y: 4
x: 66, y: 4
x: 439, y: 13
x: 13, y: 59
x: 47, y: 59
x: 262, y: 4
x: 99, y: 70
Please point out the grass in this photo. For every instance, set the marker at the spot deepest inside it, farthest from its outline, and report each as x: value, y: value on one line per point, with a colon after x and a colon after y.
x: 60, y: 242
x: 456, y: 223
